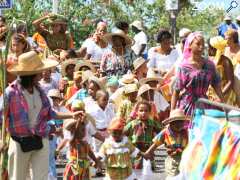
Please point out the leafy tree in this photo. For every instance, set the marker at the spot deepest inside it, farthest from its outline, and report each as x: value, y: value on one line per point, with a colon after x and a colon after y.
x: 82, y: 15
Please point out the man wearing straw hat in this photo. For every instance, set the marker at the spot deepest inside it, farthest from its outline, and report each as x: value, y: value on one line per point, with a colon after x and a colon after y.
x: 225, y: 26
x: 140, y: 38
x: 27, y: 112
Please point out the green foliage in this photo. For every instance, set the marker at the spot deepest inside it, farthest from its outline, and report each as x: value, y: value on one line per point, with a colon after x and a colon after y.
x: 155, y: 16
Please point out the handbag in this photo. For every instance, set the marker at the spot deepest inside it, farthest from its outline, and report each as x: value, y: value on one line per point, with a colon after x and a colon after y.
x: 29, y: 143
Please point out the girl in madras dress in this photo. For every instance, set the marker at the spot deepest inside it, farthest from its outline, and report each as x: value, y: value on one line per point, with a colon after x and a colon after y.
x: 142, y: 130
x: 175, y: 138
x: 117, y: 151
x: 78, y: 166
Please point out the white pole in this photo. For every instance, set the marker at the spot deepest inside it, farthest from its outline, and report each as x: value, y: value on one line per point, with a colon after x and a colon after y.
x: 55, y: 4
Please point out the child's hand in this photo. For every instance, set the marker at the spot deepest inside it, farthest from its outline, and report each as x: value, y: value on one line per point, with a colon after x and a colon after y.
x: 147, y: 156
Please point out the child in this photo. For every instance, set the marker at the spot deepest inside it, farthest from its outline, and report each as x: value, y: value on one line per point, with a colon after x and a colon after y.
x: 126, y: 107
x: 175, y: 138
x: 146, y: 93
x: 142, y: 130
x: 80, y: 150
x: 117, y: 152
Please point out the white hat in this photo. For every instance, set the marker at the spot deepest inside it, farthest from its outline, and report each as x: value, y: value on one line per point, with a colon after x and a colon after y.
x: 227, y: 18
x: 138, y: 25
x: 238, y: 18
x: 151, y: 76
x: 184, y: 32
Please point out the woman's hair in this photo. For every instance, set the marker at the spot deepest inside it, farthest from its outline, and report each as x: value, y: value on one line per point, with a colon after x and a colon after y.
x: 3, y: 19
x: 144, y: 102
x: 71, y: 53
x: 21, y: 28
x: 27, y: 81
x: 19, y: 38
x: 163, y: 34
x: 122, y: 25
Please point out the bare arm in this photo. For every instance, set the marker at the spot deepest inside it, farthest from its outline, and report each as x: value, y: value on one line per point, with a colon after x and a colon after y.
x: 143, y: 46
x: 229, y: 74
x: 37, y: 23
x: 174, y: 99
x: 218, y: 91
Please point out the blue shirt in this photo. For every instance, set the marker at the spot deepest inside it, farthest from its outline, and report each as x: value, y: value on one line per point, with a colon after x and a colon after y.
x: 224, y: 27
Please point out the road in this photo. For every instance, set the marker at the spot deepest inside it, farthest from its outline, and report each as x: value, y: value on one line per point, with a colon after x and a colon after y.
x: 159, y: 174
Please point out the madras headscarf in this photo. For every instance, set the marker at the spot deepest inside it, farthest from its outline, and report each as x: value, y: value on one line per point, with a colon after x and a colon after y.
x: 189, y: 40
x: 219, y: 43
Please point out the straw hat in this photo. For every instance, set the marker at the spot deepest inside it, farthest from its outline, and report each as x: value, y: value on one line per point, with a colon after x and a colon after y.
x: 227, y: 18
x: 144, y: 88
x: 86, y: 75
x: 238, y: 18
x: 138, y: 25
x: 58, y: 20
x: 128, y: 79
x: 30, y: 63
x: 176, y: 115
x: 129, y: 41
x: 65, y: 64
x: 138, y: 63
x: 83, y: 63
x: 77, y: 74
x: 151, y: 76
x: 116, y: 124
x: 130, y: 88
x: 55, y: 93
x: 100, y: 82
x: 184, y: 32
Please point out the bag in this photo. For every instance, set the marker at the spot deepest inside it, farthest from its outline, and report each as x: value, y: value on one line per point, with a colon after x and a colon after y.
x: 29, y: 143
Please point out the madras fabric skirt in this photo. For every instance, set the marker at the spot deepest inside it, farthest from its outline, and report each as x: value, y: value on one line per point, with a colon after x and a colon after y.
x: 172, y: 165
x: 76, y: 172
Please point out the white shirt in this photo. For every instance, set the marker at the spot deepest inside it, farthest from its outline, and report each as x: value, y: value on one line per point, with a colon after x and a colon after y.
x: 140, y: 39
x: 160, y: 61
x: 34, y: 105
x: 160, y: 102
x: 102, y: 117
x: 94, y: 50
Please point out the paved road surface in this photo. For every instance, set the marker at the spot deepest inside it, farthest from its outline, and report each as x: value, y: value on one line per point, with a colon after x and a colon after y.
x: 160, y: 156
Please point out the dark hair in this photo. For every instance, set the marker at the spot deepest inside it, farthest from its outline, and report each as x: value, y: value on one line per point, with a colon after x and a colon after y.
x: 27, y: 81
x: 122, y: 25
x: 144, y: 102
x: 3, y: 19
x: 162, y: 35
x: 235, y: 37
x: 19, y: 38
x: 71, y: 53
x: 21, y: 28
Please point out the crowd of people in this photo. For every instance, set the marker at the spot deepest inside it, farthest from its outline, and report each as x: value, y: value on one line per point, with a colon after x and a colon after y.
x: 107, y: 106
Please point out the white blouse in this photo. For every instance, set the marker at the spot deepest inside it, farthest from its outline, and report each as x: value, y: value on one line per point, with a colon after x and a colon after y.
x: 160, y: 61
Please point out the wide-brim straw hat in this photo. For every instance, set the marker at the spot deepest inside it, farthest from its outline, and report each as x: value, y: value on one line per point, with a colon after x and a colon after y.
x: 138, y: 25
x: 86, y: 75
x: 55, y: 93
x: 30, y: 63
x: 66, y: 63
x: 83, y: 63
x: 108, y: 37
x: 77, y: 74
x: 100, y: 82
x: 58, y: 20
x: 137, y: 63
x: 128, y: 79
x: 176, y: 115
x: 151, y: 76
x: 144, y: 88
x: 130, y: 88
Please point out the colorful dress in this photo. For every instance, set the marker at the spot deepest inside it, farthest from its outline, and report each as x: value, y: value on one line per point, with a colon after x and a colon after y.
x: 71, y: 91
x: 175, y: 144
x: 78, y: 166
x: 125, y: 109
x: 193, y: 83
x: 117, y: 157
x: 141, y: 134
